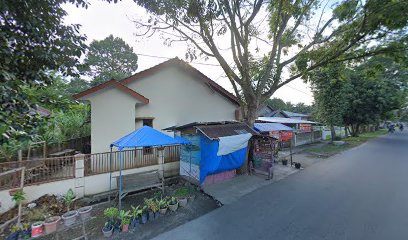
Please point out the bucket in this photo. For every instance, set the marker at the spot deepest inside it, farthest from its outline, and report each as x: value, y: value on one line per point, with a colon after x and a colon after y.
x: 36, y: 229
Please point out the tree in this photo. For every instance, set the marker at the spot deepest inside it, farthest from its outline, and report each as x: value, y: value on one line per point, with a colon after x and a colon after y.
x: 110, y: 58
x: 34, y: 40
x: 276, y: 104
x: 360, y: 94
x: 76, y: 85
x: 279, y: 104
x: 300, y: 36
x: 377, y: 87
x: 330, y: 88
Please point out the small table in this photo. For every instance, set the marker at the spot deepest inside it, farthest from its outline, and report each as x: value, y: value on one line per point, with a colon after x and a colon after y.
x: 66, y: 152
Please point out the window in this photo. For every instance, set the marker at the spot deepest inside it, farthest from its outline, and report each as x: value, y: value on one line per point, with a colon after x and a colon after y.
x: 147, y: 150
x: 147, y: 122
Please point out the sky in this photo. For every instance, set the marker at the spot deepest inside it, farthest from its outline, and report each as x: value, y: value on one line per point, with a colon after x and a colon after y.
x: 102, y: 19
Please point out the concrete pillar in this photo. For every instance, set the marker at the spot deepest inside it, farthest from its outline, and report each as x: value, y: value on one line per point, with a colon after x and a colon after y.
x: 160, y: 156
x: 79, y: 175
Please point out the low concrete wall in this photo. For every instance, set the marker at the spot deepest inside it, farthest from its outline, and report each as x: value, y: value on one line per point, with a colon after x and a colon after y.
x: 81, y: 185
x: 35, y: 191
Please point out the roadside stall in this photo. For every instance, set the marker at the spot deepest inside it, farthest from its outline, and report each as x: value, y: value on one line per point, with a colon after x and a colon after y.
x: 303, y: 131
x: 217, y: 150
x: 282, y: 133
x: 263, y: 154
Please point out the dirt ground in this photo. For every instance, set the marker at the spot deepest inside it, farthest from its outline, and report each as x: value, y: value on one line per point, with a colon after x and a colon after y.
x: 198, y: 207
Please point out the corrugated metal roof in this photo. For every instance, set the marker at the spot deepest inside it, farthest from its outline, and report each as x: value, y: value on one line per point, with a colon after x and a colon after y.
x: 293, y: 114
x: 224, y: 130
x: 268, y: 127
x: 285, y: 120
x: 197, y: 124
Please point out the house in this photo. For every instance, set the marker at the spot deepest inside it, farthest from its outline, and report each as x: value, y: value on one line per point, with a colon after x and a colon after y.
x: 169, y: 94
x: 305, y: 132
x: 268, y: 111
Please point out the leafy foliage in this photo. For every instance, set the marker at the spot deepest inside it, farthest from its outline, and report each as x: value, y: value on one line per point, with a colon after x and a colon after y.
x: 279, y: 104
x: 361, y: 94
x: 33, y: 41
x: 69, y: 198
x: 110, y: 58
x: 296, y: 37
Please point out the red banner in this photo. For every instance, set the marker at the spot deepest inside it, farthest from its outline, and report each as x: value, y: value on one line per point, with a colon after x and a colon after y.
x: 282, y: 135
x: 305, y: 127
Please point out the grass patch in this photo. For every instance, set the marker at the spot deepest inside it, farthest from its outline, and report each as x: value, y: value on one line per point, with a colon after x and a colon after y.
x: 330, y: 149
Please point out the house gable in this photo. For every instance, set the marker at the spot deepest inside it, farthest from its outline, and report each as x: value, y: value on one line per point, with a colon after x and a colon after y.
x: 112, y: 83
x: 175, y: 62
x: 177, y: 97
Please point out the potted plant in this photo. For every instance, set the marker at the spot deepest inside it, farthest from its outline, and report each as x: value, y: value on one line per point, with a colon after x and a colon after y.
x: 182, y: 194
x: 163, y: 205
x: 50, y: 224
x: 153, y: 208
x: 111, y: 215
x: 125, y: 224
x: 144, y: 216
x: 14, y: 232
x: 107, y: 230
x: 70, y: 216
x: 173, y: 204
x: 18, y: 197
x: 37, y: 229
x: 124, y: 218
x: 25, y: 231
x: 136, y: 215
x: 85, y: 212
x: 284, y: 162
x: 297, y: 165
x: 191, y: 194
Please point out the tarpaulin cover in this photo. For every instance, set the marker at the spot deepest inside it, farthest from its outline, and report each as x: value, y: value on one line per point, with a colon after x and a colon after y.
x: 230, y: 144
x: 182, y: 140
x: 210, y: 163
x: 147, y: 137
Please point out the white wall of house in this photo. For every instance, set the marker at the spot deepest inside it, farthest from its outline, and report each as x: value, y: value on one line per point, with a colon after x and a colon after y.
x: 112, y: 117
x: 176, y: 98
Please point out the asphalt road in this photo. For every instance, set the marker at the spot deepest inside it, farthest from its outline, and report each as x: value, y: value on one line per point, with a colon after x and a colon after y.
x: 360, y: 194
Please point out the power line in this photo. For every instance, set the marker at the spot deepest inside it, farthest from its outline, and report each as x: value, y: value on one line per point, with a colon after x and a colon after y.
x: 298, y: 90
x: 216, y: 65
x: 199, y: 63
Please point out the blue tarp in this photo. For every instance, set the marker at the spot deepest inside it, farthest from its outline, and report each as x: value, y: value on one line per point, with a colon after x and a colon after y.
x: 269, y: 127
x: 210, y: 163
x: 148, y: 137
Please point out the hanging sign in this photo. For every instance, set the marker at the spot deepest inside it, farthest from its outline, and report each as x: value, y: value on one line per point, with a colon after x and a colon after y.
x: 282, y: 135
x: 305, y: 127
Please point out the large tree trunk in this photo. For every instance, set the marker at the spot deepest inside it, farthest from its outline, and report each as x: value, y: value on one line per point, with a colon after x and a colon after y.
x: 333, y: 133
x: 355, y: 130
x: 251, y: 115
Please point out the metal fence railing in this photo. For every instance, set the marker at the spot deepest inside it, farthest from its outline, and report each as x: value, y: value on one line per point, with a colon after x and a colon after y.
x: 38, y: 171
x: 99, y: 163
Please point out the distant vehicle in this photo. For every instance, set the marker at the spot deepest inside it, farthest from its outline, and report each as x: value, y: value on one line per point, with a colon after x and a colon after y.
x: 391, y: 128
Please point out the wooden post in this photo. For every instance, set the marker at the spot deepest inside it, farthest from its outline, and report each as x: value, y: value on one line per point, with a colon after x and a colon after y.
x: 20, y: 155
x: 21, y: 187
x: 161, y: 164
x: 45, y: 150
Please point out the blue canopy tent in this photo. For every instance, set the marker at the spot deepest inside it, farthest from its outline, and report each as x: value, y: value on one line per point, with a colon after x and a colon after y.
x: 143, y: 137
